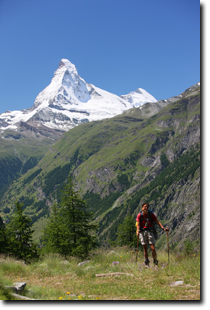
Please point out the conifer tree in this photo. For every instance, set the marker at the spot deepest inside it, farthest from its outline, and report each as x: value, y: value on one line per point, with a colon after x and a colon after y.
x: 54, y: 237
x: 19, y: 236
x: 69, y: 230
x: 126, y: 232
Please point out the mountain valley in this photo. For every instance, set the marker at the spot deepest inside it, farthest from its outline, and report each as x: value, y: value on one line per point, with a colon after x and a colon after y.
x: 147, y: 153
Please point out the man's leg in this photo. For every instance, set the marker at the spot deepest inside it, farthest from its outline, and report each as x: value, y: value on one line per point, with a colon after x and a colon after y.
x: 154, y: 255
x: 145, y: 251
x: 152, y: 244
x: 146, y: 255
x: 144, y: 241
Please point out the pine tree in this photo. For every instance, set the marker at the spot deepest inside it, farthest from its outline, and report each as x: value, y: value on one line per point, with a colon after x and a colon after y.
x: 54, y: 237
x: 69, y: 230
x: 19, y: 236
x: 126, y: 232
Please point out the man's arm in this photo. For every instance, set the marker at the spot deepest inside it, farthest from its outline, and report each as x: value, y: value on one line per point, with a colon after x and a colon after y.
x: 138, y: 228
x: 161, y: 226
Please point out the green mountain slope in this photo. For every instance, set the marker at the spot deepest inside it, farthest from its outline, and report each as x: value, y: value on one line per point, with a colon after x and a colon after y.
x: 21, y: 149
x: 18, y: 154
x: 151, y: 153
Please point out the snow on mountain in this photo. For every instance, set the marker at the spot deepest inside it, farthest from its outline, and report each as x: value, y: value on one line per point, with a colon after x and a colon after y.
x: 69, y: 101
x: 138, y: 97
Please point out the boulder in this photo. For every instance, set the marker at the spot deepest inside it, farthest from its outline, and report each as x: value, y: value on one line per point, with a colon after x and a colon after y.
x: 17, y: 287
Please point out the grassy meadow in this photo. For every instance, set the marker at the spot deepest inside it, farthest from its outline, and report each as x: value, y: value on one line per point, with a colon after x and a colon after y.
x: 113, y: 274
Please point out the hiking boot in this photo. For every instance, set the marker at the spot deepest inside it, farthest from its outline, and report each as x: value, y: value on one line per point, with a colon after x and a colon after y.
x: 147, y: 262
x: 155, y: 261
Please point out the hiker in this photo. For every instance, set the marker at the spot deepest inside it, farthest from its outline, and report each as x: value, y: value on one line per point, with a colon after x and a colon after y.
x: 145, y: 230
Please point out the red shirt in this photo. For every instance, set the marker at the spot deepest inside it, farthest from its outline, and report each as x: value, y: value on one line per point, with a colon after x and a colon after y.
x: 145, y: 222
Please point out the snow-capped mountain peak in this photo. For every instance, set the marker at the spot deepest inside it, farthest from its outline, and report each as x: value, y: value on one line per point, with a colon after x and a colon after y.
x: 138, y: 97
x: 66, y: 85
x: 68, y: 65
x: 69, y: 101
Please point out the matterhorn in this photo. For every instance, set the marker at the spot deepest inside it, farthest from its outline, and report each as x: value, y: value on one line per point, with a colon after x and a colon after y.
x: 69, y: 101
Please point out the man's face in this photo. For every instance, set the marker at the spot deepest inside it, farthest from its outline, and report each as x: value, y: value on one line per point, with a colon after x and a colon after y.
x: 145, y: 209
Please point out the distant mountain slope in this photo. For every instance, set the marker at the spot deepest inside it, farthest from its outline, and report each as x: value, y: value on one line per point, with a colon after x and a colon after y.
x: 18, y: 153
x: 149, y: 153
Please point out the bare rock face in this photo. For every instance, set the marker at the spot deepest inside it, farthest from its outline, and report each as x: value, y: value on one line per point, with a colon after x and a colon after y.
x: 148, y: 161
x: 38, y: 131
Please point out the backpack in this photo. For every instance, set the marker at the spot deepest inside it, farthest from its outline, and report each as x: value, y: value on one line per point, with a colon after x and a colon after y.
x: 153, y: 228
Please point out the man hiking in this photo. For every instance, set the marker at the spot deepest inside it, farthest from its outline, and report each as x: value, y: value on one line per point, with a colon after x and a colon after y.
x: 145, y: 230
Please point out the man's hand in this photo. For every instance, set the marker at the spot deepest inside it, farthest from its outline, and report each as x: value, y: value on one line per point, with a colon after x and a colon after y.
x: 166, y: 229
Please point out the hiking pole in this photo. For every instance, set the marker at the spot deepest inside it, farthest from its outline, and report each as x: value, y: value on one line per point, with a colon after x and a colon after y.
x: 137, y: 248
x: 168, y: 247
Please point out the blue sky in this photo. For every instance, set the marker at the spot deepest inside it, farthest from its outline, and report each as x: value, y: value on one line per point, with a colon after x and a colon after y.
x: 116, y: 45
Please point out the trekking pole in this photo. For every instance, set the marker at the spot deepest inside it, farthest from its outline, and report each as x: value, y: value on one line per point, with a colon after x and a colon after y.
x: 168, y: 247
x: 137, y: 248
